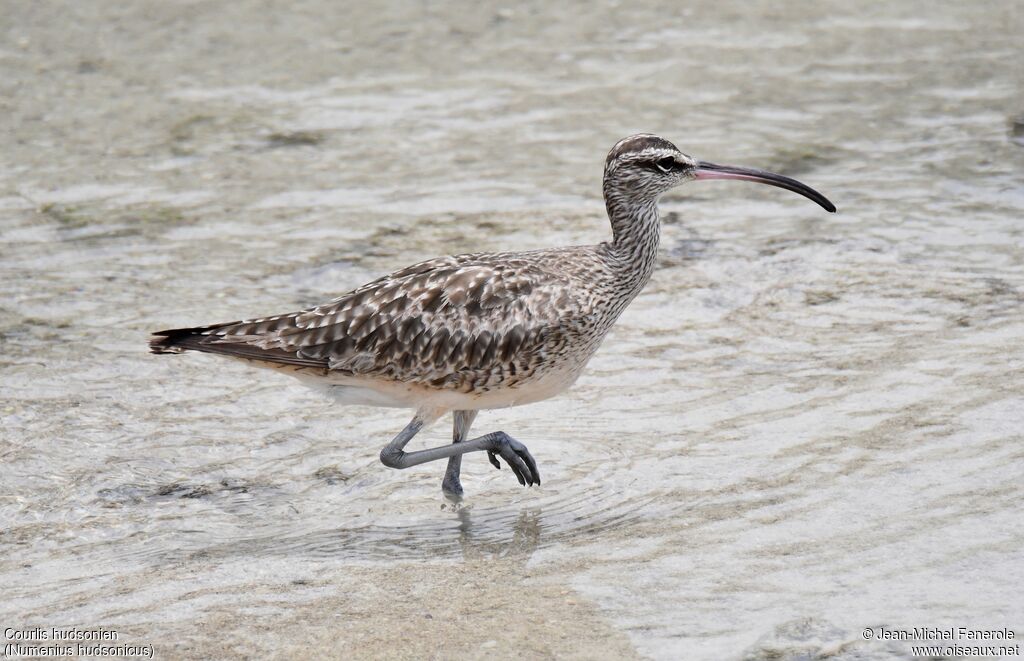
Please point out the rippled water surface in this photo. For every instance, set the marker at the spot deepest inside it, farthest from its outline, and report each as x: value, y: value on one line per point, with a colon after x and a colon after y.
x: 807, y: 425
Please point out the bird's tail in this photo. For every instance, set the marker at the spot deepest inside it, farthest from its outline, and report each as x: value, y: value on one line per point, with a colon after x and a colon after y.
x: 179, y: 340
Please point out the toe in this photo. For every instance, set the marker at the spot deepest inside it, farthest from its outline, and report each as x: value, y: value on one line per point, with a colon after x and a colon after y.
x: 531, y: 464
x: 521, y: 469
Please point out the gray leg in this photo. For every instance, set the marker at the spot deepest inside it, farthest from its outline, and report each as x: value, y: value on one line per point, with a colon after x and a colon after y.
x: 495, y: 443
x: 451, y: 485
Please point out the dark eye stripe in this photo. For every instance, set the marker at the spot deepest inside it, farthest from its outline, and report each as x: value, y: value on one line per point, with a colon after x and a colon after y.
x: 664, y: 164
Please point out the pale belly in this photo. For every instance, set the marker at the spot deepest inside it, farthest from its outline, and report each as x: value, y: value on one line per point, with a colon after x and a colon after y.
x: 362, y: 391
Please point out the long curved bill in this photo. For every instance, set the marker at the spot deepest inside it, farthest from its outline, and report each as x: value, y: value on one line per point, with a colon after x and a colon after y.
x: 707, y: 170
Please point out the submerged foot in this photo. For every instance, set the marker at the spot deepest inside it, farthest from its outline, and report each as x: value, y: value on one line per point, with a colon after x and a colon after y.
x: 451, y: 487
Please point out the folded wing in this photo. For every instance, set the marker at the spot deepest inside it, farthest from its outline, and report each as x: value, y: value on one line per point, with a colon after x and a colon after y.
x: 456, y: 322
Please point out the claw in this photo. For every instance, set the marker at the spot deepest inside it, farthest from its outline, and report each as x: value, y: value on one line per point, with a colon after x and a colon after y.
x: 491, y: 457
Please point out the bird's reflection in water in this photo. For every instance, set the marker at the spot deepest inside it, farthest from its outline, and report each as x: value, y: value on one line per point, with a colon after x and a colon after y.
x: 459, y: 530
x: 472, y: 531
x: 482, y: 545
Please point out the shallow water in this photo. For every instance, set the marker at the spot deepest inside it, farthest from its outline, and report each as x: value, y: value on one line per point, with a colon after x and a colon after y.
x: 807, y: 425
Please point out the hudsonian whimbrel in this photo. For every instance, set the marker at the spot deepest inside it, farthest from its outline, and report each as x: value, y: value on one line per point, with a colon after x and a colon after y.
x: 479, y: 331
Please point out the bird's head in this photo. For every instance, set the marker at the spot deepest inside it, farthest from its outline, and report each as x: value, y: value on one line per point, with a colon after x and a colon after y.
x: 643, y: 167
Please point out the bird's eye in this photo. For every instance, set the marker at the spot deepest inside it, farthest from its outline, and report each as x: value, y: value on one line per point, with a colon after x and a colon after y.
x: 665, y: 164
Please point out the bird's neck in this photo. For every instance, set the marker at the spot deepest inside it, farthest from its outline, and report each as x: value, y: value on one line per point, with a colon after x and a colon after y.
x: 636, y: 230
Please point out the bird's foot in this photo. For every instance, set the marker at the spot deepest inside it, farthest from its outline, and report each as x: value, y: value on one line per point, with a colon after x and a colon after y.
x: 516, y: 455
x: 451, y: 487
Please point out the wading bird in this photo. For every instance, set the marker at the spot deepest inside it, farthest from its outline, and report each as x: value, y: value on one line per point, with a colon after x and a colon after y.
x: 481, y: 331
